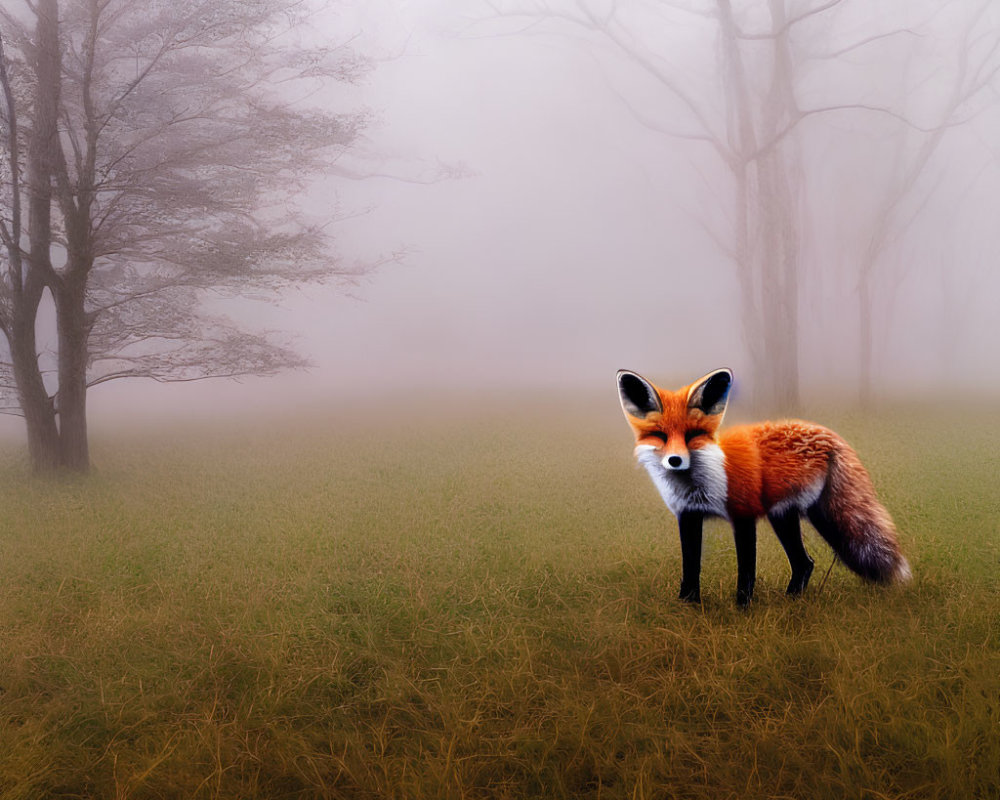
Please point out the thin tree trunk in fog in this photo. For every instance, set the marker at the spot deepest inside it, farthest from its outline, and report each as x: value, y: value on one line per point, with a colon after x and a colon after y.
x: 866, y: 394
x: 73, y: 332
x: 36, y: 405
x: 745, y: 272
x: 782, y: 162
x: 952, y: 307
x: 39, y: 415
x: 767, y: 252
x: 69, y: 287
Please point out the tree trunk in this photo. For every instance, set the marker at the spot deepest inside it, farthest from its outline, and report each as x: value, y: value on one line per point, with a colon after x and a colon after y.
x: 777, y: 165
x: 39, y: 414
x: 36, y: 405
x: 68, y: 288
x: 746, y: 272
x: 779, y: 282
x: 766, y: 242
x: 74, y: 332
x: 866, y: 339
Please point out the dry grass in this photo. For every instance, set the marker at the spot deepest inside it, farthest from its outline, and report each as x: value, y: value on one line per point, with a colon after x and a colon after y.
x: 480, y: 611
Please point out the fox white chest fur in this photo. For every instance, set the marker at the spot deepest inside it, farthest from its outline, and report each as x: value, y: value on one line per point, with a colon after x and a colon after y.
x: 701, y: 487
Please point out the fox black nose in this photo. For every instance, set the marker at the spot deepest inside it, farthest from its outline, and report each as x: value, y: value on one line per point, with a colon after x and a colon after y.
x: 675, y: 461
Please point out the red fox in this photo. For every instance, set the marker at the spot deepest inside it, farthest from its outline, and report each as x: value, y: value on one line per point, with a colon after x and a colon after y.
x: 779, y: 469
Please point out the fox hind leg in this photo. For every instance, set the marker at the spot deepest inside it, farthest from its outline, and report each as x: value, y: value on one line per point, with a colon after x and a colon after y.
x: 786, y: 526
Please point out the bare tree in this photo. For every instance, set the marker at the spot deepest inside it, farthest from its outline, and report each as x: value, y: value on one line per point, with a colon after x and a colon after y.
x: 747, y: 114
x: 975, y: 57
x: 183, y: 140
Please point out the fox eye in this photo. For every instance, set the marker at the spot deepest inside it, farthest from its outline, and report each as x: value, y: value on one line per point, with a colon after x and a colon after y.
x: 694, y: 434
x: 656, y: 435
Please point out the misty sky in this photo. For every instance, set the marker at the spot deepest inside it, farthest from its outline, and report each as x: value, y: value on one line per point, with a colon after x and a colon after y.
x: 574, y: 245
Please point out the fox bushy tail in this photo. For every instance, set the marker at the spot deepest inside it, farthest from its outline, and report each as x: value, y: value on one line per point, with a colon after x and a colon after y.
x: 855, y: 524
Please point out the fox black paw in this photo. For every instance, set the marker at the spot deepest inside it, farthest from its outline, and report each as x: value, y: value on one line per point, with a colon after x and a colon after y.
x: 690, y: 594
x: 800, y: 580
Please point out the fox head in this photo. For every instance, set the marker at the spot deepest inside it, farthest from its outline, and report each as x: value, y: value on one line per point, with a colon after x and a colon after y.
x: 673, y: 424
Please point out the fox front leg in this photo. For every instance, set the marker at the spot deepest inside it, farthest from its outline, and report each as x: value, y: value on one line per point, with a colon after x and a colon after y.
x: 690, y: 529
x: 745, y: 536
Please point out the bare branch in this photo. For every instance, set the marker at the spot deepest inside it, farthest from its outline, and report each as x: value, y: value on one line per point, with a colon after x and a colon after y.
x: 790, y: 23
x: 650, y: 68
x: 823, y: 7
x: 605, y: 27
x: 843, y: 51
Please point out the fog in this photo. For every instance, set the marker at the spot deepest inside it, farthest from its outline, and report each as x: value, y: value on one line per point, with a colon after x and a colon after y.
x: 569, y: 235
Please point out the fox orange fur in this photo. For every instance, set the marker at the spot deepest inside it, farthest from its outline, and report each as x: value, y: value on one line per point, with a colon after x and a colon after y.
x: 781, y: 470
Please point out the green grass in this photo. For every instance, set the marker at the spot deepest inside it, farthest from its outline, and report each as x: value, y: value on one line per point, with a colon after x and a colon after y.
x: 401, y: 608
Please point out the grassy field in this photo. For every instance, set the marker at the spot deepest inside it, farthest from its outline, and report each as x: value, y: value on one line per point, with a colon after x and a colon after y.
x: 375, y: 606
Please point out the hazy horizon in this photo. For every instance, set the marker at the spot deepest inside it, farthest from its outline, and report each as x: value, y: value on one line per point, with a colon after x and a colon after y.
x: 579, y: 240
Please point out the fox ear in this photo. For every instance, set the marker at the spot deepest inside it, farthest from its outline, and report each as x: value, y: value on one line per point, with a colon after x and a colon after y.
x: 638, y: 396
x: 710, y: 394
